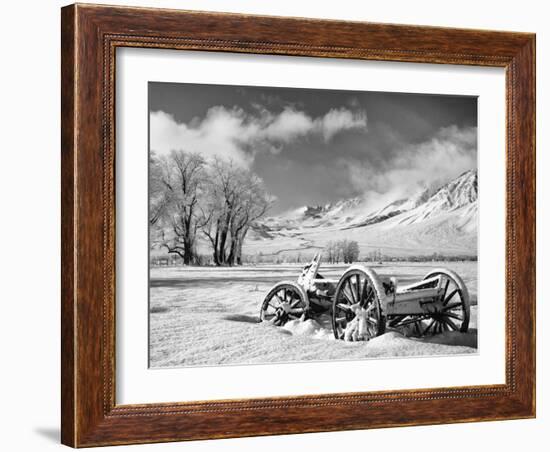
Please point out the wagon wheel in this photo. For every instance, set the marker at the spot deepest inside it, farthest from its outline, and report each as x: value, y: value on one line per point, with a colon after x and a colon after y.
x: 455, y: 312
x: 284, y: 302
x: 357, y: 294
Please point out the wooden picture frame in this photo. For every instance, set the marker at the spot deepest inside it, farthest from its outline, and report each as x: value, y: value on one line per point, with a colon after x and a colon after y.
x: 90, y: 35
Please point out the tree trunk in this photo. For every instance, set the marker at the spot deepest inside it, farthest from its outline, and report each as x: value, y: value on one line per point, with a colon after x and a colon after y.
x: 239, y: 251
x: 188, y: 254
x: 223, y: 239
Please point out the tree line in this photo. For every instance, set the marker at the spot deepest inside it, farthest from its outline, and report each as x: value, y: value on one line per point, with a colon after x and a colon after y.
x: 192, y: 198
x: 346, y: 251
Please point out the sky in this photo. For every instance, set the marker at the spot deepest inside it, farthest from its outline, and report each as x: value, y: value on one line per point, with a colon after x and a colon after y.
x: 313, y: 147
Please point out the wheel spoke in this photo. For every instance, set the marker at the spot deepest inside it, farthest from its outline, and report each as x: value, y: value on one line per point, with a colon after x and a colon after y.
x: 351, y: 290
x: 369, y: 296
x: 451, y: 295
x: 358, y: 288
x: 346, y: 297
x: 394, y: 321
x: 412, y: 320
x: 371, y: 307
x: 428, y: 328
x: 453, y: 316
x: 344, y: 307
x: 445, y: 291
x: 364, y: 290
x: 452, y: 306
x: 450, y: 324
x: 278, y: 299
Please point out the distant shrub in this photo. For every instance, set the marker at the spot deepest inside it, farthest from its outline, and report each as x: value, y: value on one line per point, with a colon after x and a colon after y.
x: 342, y: 250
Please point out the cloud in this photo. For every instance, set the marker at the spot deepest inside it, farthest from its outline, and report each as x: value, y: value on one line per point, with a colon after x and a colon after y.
x: 413, y: 168
x: 286, y: 127
x: 235, y: 134
x: 338, y: 119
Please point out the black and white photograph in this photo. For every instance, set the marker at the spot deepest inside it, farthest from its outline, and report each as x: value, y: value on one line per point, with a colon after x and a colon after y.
x: 295, y: 225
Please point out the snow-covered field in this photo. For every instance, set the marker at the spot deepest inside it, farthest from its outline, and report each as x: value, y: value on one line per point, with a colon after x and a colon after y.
x: 203, y: 316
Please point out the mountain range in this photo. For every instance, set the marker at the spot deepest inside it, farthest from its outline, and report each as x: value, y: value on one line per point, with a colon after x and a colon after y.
x: 439, y: 220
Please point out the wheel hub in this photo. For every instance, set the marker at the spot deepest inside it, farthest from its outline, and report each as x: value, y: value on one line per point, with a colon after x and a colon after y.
x: 285, y: 307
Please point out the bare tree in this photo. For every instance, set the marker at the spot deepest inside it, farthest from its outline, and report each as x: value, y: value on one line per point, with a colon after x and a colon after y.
x: 236, y: 199
x: 349, y: 250
x: 351, y: 253
x: 333, y: 252
x: 177, y: 182
x: 157, y: 190
x: 345, y: 250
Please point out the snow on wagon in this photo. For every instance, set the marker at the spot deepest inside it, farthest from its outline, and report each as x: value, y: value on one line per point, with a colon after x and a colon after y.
x: 362, y: 304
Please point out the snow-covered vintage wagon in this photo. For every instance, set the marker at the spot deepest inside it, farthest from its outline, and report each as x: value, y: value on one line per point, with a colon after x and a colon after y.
x: 362, y: 304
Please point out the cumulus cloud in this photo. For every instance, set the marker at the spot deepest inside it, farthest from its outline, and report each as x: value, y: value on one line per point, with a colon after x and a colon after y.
x: 449, y: 153
x: 235, y: 134
x: 340, y: 119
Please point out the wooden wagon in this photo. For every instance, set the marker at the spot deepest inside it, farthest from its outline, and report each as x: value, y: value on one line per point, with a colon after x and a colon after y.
x: 362, y: 304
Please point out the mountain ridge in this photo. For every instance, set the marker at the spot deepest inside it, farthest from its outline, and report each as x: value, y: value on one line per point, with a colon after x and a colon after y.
x: 440, y: 218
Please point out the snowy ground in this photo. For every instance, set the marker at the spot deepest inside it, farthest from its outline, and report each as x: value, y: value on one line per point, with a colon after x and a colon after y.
x: 201, y: 316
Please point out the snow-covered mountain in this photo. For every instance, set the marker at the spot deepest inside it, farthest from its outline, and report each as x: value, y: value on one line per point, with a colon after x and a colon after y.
x: 338, y: 213
x: 442, y: 219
